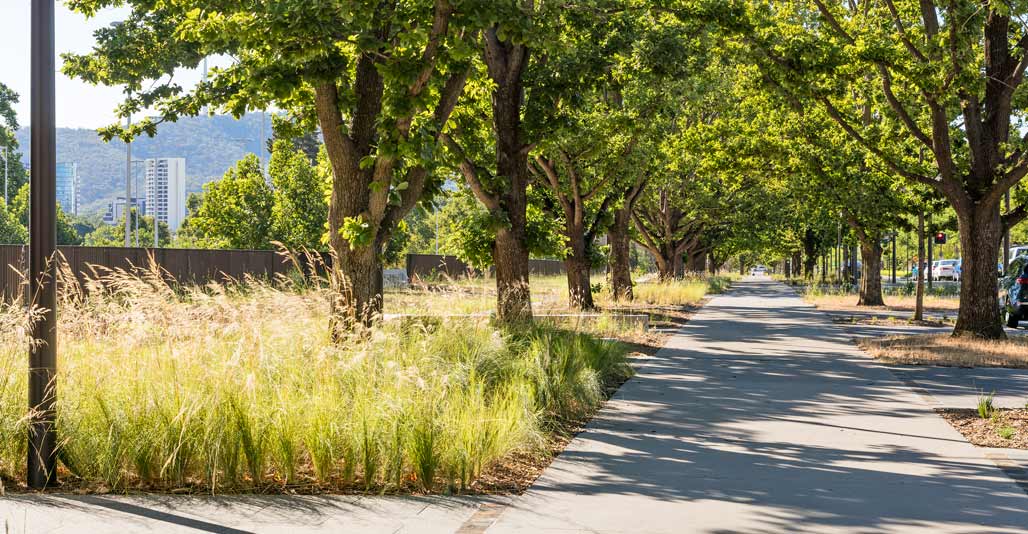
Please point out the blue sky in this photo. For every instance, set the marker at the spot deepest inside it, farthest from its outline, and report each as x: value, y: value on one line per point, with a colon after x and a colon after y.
x: 79, y: 105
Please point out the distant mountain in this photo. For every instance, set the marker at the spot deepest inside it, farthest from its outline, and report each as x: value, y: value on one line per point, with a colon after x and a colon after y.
x: 209, y: 144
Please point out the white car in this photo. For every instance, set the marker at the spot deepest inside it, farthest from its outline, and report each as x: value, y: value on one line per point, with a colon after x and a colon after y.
x: 758, y: 270
x: 946, y: 270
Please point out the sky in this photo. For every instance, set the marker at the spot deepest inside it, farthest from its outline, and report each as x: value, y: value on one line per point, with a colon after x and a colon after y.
x: 79, y: 104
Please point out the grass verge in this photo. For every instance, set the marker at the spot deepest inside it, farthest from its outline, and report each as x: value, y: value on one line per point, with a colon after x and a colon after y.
x: 238, y: 388
x: 946, y: 350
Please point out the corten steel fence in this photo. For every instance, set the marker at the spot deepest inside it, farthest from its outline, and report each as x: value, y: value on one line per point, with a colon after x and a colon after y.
x: 198, y: 266
x: 432, y: 265
x: 180, y: 265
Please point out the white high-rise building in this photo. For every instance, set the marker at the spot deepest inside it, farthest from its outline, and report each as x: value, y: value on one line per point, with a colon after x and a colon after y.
x: 166, y: 190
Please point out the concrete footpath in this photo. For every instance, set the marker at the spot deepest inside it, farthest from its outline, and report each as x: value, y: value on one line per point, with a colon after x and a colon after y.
x: 760, y: 417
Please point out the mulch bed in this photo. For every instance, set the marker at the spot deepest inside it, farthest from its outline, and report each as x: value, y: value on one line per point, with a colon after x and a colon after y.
x: 987, y: 432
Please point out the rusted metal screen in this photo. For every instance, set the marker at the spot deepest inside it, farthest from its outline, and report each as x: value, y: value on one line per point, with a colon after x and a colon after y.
x: 185, y: 266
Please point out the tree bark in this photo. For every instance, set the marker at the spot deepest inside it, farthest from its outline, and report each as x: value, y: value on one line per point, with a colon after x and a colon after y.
x: 809, y: 254
x: 979, y: 314
x: 665, y: 268
x: 578, y: 268
x: 513, y: 294
x: 696, y: 261
x: 620, y: 256
x: 506, y: 62
x: 871, y: 279
x: 354, y: 268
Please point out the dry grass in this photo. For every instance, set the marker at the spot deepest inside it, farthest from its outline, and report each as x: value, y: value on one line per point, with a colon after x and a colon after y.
x: 946, y: 350
x: 893, y: 303
x: 477, y: 295
x: 230, y: 388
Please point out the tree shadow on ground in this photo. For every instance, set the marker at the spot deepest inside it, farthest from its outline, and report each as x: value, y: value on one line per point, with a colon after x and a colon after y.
x: 776, y: 408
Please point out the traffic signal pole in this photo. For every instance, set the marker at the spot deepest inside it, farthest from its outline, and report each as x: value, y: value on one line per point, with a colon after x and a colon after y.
x: 931, y: 240
x: 42, y: 459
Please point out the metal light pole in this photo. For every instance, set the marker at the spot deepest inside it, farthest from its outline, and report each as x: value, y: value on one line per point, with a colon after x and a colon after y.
x: 128, y: 183
x: 1006, y: 236
x: 894, y: 236
x: 42, y: 460
x: 263, y: 141
x: 6, y: 155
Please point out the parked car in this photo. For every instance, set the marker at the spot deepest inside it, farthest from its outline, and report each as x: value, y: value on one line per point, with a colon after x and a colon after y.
x: 1013, y: 292
x: 946, y: 270
x: 758, y: 270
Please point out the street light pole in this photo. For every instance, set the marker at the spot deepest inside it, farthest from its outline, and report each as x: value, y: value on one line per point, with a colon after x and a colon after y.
x: 7, y: 155
x: 42, y: 459
x: 128, y: 183
x: 1006, y: 236
x: 894, y: 236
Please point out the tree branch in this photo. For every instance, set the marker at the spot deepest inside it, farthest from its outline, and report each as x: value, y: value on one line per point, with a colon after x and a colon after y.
x: 470, y: 172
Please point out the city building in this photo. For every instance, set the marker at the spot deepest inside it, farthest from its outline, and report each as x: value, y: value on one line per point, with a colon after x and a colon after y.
x: 166, y: 190
x: 116, y: 209
x: 68, y: 187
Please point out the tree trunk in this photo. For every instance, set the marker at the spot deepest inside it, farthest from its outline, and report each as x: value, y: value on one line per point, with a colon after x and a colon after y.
x: 620, y: 255
x: 697, y: 261
x: 871, y: 278
x: 713, y: 264
x: 577, y: 265
x: 979, y: 304
x: 513, y: 295
x: 809, y: 254
x: 678, y: 261
x: 506, y: 62
x: 665, y: 268
x: 355, y: 268
x: 919, y: 299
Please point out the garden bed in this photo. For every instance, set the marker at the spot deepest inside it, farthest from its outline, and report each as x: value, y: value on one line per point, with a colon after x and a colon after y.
x: 1003, y: 428
x: 239, y: 389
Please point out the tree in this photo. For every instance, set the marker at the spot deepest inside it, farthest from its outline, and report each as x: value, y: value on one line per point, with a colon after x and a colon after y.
x: 948, y: 78
x: 12, y: 232
x: 296, y: 136
x: 236, y: 211
x: 299, y: 212
x: 19, y: 209
x: 188, y: 236
x: 470, y: 229
x: 380, y: 80
x: 544, y: 62
x: 502, y: 187
x: 16, y: 176
x: 107, y: 235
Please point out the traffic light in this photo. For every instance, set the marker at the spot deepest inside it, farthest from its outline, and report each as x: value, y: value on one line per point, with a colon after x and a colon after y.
x: 940, y: 238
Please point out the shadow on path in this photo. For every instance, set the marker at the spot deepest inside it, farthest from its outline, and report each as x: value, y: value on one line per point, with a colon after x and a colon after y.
x: 765, y: 413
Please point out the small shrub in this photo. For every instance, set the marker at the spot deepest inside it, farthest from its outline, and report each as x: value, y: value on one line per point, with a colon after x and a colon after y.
x: 985, y: 406
x: 1006, y: 432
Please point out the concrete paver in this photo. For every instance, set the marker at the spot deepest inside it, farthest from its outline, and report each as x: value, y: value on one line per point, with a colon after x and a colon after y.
x: 763, y: 417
